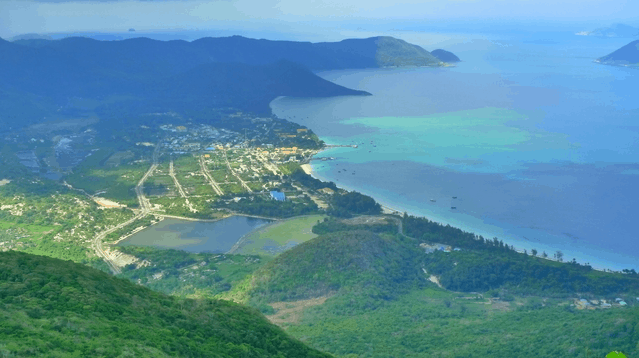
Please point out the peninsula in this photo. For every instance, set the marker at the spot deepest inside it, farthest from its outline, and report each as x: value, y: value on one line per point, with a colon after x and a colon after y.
x: 627, y: 56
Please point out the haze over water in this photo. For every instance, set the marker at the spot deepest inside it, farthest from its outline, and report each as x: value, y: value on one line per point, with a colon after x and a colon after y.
x: 538, y: 142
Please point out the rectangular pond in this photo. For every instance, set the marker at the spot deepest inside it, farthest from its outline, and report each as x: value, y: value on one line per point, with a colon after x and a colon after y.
x: 195, y: 236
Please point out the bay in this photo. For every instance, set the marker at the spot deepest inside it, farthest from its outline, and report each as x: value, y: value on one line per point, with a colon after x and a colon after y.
x: 539, y: 144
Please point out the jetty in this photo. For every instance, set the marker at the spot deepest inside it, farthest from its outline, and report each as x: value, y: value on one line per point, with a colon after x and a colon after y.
x: 341, y: 146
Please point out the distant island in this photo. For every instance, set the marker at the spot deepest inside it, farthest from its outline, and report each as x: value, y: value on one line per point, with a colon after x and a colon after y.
x: 616, y: 30
x: 31, y: 37
x: 445, y: 56
x: 149, y: 76
x: 626, y: 56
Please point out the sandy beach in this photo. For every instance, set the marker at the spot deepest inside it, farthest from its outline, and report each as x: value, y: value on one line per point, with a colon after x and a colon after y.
x: 307, y: 169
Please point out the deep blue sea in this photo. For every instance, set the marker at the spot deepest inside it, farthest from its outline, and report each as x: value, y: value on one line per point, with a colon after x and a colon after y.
x: 539, y: 144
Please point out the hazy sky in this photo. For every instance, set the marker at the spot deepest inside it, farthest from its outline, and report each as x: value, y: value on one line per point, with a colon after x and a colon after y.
x: 42, y: 16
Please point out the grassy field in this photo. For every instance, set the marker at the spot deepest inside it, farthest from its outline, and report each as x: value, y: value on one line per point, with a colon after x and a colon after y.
x: 32, y: 229
x: 272, y: 239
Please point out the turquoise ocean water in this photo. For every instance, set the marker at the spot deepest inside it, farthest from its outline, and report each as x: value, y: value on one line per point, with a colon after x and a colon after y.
x: 539, y: 144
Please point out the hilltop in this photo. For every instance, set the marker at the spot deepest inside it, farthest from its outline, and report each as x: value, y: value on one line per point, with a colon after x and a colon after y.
x: 57, y: 308
x: 357, y: 261
x: 625, y: 56
x: 445, y: 56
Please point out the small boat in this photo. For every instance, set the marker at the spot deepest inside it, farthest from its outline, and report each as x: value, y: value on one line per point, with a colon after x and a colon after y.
x: 454, y: 197
x: 433, y: 200
x: 453, y: 207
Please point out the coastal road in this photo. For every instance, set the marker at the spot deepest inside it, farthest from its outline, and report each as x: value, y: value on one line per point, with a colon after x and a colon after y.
x: 97, y: 243
x: 145, y: 209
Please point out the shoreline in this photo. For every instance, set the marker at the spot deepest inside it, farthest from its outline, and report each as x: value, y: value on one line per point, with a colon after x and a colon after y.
x: 392, y: 208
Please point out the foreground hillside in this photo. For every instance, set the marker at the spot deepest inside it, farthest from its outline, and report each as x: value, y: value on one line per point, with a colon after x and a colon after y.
x: 56, y: 308
x: 366, y: 291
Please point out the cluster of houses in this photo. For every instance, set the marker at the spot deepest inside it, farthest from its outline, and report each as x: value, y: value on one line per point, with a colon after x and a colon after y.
x: 188, y: 140
x: 430, y: 248
x: 583, y: 303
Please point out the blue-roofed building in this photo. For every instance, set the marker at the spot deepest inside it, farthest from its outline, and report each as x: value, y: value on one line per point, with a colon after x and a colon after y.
x: 278, y: 196
x: 210, y: 149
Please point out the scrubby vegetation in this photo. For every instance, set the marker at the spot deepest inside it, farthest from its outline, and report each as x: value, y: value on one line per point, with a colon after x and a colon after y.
x: 181, y: 273
x: 353, y: 203
x: 488, y: 264
x: 435, y: 323
x: 262, y: 206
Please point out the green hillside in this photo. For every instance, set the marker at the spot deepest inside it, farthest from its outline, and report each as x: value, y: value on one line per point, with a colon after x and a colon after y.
x: 362, y: 262
x: 54, y: 308
x: 377, y: 298
x: 394, y: 52
x: 435, y: 323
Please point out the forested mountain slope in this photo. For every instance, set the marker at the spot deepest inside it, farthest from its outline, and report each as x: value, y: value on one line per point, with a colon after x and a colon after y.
x: 45, y: 75
x: 54, y: 308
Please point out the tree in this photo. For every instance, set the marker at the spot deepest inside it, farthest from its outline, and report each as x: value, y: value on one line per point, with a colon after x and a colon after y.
x: 544, y: 255
x: 559, y: 256
x: 534, y: 252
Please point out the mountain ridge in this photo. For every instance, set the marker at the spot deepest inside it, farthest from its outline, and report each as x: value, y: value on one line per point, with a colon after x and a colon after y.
x: 139, y: 68
x: 348, y: 53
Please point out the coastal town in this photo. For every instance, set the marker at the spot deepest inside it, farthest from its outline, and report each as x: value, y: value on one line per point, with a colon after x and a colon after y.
x: 188, y: 171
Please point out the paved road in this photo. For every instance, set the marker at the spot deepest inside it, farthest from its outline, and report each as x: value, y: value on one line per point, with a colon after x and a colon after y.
x: 97, y: 243
x: 208, y: 176
x: 175, y: 181
x: 145, y: 209
x: 233, y: 172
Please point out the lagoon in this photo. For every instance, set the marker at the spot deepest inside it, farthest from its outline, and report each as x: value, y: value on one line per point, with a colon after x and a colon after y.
x: 195, y: 236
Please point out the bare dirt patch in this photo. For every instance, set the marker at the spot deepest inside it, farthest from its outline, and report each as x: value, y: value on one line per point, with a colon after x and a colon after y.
x: 366, y: 220
x: 291, y: 312
x: 106, y: 203
x: 4, y: 182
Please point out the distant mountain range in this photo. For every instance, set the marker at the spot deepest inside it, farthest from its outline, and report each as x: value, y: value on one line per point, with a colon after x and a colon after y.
x: 616, y: 30
x: 625, y: 56
x: 230, y: 72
